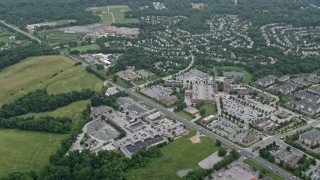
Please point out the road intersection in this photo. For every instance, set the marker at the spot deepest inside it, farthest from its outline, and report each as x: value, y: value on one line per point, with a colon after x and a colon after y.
x: 246, y: 152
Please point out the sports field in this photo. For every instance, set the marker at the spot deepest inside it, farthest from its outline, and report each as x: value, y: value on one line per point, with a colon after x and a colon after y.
x: 54, y: 36
x: 57, y: 74
x: 113, y: 14
x: 178, y: 155
x: 25, y: 150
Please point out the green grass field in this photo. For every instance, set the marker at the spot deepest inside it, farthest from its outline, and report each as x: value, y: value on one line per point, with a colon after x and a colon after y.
x: 36, y: 73
x: 55, y: 36
x: 178, y: 155
x: 210, y: 109
x: 184, y: 115
x: 25, y: 150
x: 259, y: 168
x: 118, y: 11
x: 73, y: 111
x: 86, y: 48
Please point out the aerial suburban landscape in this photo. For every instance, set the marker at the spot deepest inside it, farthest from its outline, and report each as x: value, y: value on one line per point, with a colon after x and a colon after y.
x: 166, y: 89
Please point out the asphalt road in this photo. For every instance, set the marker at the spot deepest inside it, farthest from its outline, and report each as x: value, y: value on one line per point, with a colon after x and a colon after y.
x: 244, y: 152
x: 22, y: 32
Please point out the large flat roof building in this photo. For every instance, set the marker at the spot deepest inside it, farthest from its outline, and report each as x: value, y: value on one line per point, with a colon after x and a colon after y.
x: 151, y: 141
x: 170, y: 100
x: 190, y: 110
x: 236, y: 173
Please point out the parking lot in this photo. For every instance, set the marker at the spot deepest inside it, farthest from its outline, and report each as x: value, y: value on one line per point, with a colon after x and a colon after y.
x: 157, y: 91
x: 101, y: 130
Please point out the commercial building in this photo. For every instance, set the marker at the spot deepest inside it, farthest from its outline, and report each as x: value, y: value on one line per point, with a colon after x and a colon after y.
x: 249, y: 138
x: 209, y: 119
x: 152, y: 141
x: 191, y: 111
x: 169, y: 101
x: 101, y: 110
x: 236, y: 173
x: 154, y: 116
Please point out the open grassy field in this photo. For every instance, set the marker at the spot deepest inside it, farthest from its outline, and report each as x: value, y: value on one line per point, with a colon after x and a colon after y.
x: 113, y: 14
x: 178, y: 155
x: 37, y: 73
x: 210, y: 109
x: 55, y: 36
x: 184, y: 115
x: 25, y: 150
x: 86, y: 48
x: 259, y: 168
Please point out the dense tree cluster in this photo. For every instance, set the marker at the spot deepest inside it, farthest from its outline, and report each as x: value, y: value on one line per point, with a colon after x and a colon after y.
x: 22, y: 13
x: 41, y: 101
x: 100, y: 99
x: 13, y: 56
x: 46, y: 124
x: 88, y: 165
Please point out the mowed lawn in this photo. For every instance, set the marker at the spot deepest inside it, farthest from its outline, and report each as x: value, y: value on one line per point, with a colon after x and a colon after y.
x: 26, y: 150
x: 57, y: 74
x: 118, y: 12
x: 73, y: 111
x: 59, y: 36
x: 210, y: 109
x: 178, y: 155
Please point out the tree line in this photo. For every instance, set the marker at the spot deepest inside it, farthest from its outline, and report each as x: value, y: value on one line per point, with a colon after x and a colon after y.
x: 89, y: 165
x: 46, y: 124
x: 99, y: 99
x: 13, y: 56
x: 41, y: 101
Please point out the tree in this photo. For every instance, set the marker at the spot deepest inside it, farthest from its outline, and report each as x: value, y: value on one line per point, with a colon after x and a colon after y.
x: 222, y: 152
x: 202, y: 112
x: 218, y: 143
x: 288, y: 148
x: 115, y: 78
x: 260, y: 175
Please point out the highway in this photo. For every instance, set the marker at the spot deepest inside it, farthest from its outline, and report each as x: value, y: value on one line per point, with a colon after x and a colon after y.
x: 244, y: 152
x: 22, y: 32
